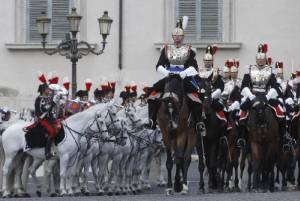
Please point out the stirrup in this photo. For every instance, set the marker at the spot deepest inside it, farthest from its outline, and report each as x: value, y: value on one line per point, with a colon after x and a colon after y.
x: 200, y: 126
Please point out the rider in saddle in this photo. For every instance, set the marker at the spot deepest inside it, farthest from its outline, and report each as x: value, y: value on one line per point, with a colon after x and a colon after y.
x: 108, y: 91
x: 260, y: 84
x: 43, y: 111
x: 210, y: 75
x: 179, y: 59
x: 125, y: 95
x: 231, y: 94
x: 292, y: 110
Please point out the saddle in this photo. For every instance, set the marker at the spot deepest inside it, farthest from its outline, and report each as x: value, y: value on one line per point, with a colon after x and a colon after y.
x: 36, y: 136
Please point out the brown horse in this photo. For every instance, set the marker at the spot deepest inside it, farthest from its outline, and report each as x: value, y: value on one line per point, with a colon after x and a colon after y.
x: 208, y: 146
x: 178, y: 137
x: 264, y: 143
x: 295, y: 133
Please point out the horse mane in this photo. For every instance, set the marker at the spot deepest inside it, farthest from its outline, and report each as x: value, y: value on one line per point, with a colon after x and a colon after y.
x: 86, y: 114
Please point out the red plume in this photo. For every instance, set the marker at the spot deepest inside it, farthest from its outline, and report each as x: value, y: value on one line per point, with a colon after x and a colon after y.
x: 214, y: 49
x: 104, y: 87
x: 298, y: 73
x: 88, y: 84
x: 42, y: 78
x: 133, y: 88
x: 67, y: 85
x: 280, y: 64
x: 54, y: 80
x: 269, y: 60
x: 113, y: 85
x: 145, y: 89
x: 127, y: 88
x: 265, y: 48
x: 237, y: 63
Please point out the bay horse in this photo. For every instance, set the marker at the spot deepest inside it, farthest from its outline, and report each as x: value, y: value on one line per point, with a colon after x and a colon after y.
x: 264, y: 143
x: 208, y: 146
x: 178, y: 137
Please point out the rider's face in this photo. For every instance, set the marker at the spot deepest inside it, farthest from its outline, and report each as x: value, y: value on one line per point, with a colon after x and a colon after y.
x: 226, y: 75
x: 261, y: 61
x: 177, y: 39
x: 208, y: 64
x: 234, y: 75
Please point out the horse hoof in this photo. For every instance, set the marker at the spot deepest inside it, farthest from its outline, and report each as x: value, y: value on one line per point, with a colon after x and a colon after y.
x: 39, y: 193
x: 124, y: 193
x: 178, y: 186
x: 185, y: 190
x: 109, y: 193
x: 53, y: 195
x: 139, y: 190
x: 169, y: 191
x: 26, y: 195
x: 133, y: 192
x: 86, y: 193
x: 117, y: 193
x: 100, y: 193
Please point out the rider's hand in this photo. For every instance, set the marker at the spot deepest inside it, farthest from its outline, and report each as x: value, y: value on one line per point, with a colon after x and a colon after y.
x: 183, y: 74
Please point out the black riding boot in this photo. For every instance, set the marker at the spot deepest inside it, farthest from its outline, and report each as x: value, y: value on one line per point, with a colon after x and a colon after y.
x: 153, y: 107
x: 48, y: 154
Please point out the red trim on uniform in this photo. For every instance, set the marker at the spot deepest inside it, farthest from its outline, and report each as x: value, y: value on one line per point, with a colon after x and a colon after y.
x: 243, y: 114
x: 278, y: 111
x: 50, y: 130
x: 221, y: 116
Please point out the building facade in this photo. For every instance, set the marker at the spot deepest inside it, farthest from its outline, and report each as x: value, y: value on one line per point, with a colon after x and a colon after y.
x: 139, y: 29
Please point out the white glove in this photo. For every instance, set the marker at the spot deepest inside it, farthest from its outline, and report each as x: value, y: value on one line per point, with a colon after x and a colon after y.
x: 272, y: 94
x: 289, y: 101
x: 191, y: 71
x: 216, y: 94
x: 183, y: 74
x: 234, y: 106
x: 247, y: 93
x: 162, y: 70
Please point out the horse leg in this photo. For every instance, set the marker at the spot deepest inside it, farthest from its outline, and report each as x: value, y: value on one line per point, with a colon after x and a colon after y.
x: 169, y: 166
x: 35, y: 165
x: 186, y: 165
x: 201, y: 166
x: 19, y: 192
x: 64, y: 159
x: 271, y: 180
x: 7, y: 172
x: 25, y: 173
x: 242, y: 167
x: 236, y: 178
x: 249, y: 175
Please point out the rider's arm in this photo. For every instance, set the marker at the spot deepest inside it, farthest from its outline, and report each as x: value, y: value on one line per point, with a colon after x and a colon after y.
x: 162, y: 62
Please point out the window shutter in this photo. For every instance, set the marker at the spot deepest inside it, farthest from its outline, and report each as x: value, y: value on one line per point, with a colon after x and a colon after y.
x: 60, y: 24
x: 188, y: 8
x: 35, y: 7
x: 211, y: 19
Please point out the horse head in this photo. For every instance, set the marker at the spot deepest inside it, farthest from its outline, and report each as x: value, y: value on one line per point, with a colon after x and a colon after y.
x: 173, y: 99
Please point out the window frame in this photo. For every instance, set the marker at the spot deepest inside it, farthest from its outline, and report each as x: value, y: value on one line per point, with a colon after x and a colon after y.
x: 228, y: 23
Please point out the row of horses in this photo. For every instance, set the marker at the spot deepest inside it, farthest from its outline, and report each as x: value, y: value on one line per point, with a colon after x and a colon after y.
x: 264, y: 150
x: 110, y: 140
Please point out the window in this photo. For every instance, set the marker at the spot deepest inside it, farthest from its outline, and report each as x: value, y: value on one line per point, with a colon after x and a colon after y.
x: 205, y: 19
x: 57, y: 10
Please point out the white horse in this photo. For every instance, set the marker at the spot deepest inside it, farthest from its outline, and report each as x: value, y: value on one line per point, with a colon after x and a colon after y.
x: 68, y: 149
x: 158, y: 155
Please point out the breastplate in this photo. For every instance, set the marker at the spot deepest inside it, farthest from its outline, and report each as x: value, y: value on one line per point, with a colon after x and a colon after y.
x: 177, y: 56
x: 260, y: 77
